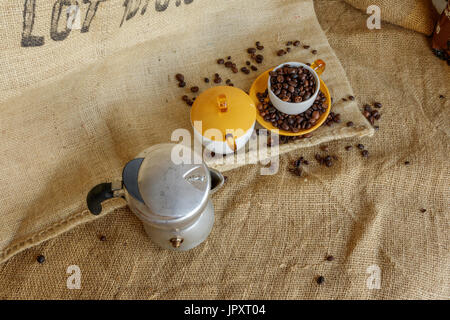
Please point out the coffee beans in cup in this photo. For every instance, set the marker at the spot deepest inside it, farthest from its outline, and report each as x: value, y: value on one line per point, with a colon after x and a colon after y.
x: 292, y: 84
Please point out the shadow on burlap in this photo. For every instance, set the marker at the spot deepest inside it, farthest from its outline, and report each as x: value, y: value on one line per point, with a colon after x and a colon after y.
x: 364, y: 212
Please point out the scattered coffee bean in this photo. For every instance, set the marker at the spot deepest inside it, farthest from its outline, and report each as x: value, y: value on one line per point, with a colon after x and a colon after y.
x: 229, y: 58
x: 229, y: 64
x: 206, y: 80
x: 343, y: 99
x: 441, y: 97
x: 225, y: 178
x: 407, y: 163
x: 350, y: 124
x: 185, y: 98
x: 40, y: 259
x: 288, y: 50
x: 333, y: 118
x: 102, y: 238
x: 259, y: 58
x: 231, y: 84
x: 423, y: 210
x: 195, y: 89
x: 254, y: 68
x: 330, y: 258
x: 179, y: 77
x: 360, y: 146
x: 281, y: 53
x: 289, y: 43
x: 217, y: 80
x: 348, y: 148
x: 365, y: 153
x: 292, y: 84
x: 182, y: 84
x: 248, y: 63
x: 377, y: 105
x: 228, y: 81
x: 220, y: 61
x: 324, y: 148
x: 320, y: 280
x: 245, y: 70
x: 291, y: 123
x: 351, y: 98
x: 251, y: 50
x: 306, y: 47
x: 296, y: 43
x: 314, y: 52
x: 234, y: 69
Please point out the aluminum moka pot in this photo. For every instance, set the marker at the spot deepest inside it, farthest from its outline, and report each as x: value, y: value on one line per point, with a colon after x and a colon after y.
x: 171, y: 199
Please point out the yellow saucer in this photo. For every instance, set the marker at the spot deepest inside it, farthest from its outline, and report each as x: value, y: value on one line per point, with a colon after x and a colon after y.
x: 260, y: 85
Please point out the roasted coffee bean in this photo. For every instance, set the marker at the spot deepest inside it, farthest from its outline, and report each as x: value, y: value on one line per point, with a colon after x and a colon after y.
x: 441, y: 97
x: 195, y: 89
x: 288, y: 49
x: 234, y: 69
x: 330, y: 258
x: 254, y: 68
x: 360, y: 146
x: 293, y: 84
x: 217, y: 80
x: 296, y: 43
x: 343, y: 99
x: 248, y: 63
x: 229, y: 64
x: 185, y: 98
x: 324, y: 148
x: 281, y: 53
x: 377, y: 105
x: 251, y: 50
x: 40, y: 259
x: 320, y: 280
x: 102, y: 238
x: 289, y: 43
x: 259, y: 58
x: 190, y: 102
x: 407, y: 163
x: 220, y: 61
x: 348, y: 148
x: 229, y: 57
x: 365, y: 153
x: 179, y: 77
x: 350, y: 124
x: 206, y: 80
x: 351, y: 98
x: 306, y: 47
x: 231, y: 84
x: 423, y: 210
x: 314, y: 52
x: 245, y: 70
x: 182, y: 84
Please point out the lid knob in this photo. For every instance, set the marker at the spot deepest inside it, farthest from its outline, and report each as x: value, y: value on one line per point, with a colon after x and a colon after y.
x: 222, y: 102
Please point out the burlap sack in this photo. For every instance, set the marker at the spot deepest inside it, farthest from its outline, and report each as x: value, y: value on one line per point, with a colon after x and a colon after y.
x: 87, y: 86
x: 272, y: 233
x: 418, y: 15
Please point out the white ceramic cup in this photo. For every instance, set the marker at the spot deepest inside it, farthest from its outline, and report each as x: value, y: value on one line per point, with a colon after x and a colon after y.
x: 292, y: 107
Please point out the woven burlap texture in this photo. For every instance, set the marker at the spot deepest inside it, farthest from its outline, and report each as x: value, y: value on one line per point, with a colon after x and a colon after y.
x: 272, y: 233
x: 94, y: 100
x: 417, y: 15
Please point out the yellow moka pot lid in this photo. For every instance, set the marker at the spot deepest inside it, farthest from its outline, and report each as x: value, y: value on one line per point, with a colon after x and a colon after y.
x: 225, y: 108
